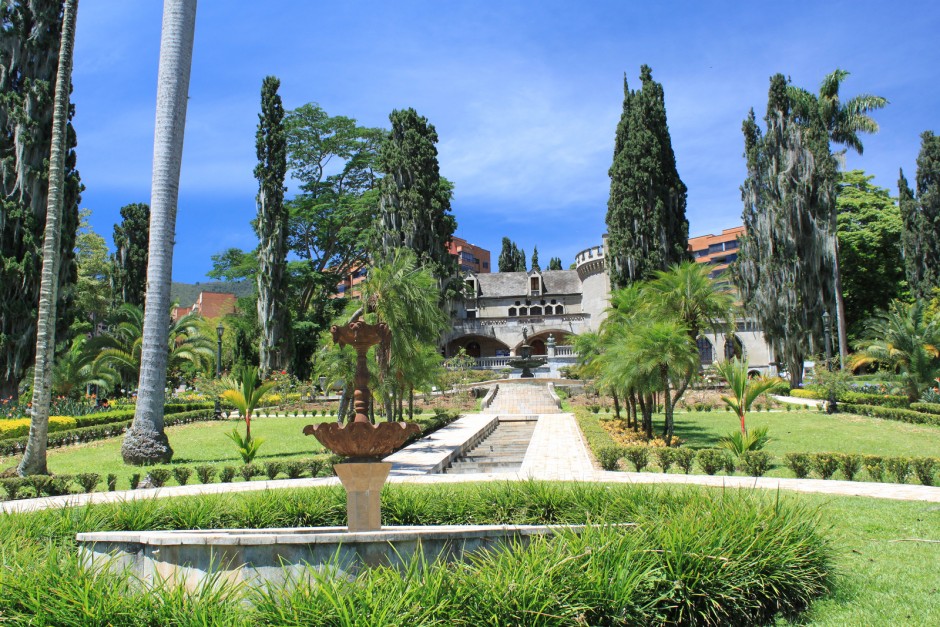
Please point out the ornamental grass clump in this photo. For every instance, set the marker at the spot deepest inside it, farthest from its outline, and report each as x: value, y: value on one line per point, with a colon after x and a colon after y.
x: 294, y: 469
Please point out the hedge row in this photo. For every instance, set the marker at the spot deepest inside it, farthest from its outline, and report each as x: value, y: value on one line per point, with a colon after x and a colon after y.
x: 20, y: 426
x: 15, y: 446
x: 855, y: 398
x: 757, y: 463
x: 891, y: 413
x: 927, y: 408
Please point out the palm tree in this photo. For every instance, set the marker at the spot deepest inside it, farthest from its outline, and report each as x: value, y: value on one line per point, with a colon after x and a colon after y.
x: 245, y: 392
x: 693, y: 297
x: 77, y: 369
x: 34, y: 458
x: 843, y: 123
x: 146, y: 442
x: 744, y: 390
x: 904, y: 342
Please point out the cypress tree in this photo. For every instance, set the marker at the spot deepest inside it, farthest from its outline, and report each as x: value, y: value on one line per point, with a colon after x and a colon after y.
x: 554, y: 263
x: 646, y: 222
x: 271, y: 147
x: 129, y: 262
x: 535, y: 259
x: 29, y: 54
x: 784, y: 268
x: 414, y: 200
x: 920, y: 215
x: 507, y: 258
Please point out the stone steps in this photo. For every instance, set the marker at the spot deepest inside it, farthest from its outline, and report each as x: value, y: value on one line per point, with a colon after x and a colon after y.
x: 502, y: 451
x: 522, y: 399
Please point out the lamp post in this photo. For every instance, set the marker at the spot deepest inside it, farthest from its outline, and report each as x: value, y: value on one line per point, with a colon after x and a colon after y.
x: 831, y: 406
x: 219, y: 330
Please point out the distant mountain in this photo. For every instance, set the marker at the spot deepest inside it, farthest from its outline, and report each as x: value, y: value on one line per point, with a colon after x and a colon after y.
x: 185, y: 294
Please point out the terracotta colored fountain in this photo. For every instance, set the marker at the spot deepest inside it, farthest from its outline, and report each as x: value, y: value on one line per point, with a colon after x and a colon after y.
x: 364, y: 443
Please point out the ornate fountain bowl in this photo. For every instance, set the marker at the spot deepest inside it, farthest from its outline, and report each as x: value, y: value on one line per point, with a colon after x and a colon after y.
x: 362, y: 440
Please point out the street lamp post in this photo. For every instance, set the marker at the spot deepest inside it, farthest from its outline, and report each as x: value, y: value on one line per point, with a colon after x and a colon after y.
x: 219, y: 330
x: 831, y: 407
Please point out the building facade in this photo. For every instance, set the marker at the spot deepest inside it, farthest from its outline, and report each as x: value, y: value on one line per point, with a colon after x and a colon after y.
x: 470, y: 257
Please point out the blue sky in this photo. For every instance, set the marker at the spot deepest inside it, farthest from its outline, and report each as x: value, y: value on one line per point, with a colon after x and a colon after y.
x: 525, y: 97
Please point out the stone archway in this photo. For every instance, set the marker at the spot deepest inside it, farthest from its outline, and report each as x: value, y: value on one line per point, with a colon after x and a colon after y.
x: 473, y: 349
x: 538, y: 347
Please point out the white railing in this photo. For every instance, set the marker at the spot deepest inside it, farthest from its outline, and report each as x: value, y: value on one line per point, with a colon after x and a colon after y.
x: 565, y: 351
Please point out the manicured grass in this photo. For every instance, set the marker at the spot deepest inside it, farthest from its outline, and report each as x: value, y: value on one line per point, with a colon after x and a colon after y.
x: 790, y: 431
x: 193, y: 444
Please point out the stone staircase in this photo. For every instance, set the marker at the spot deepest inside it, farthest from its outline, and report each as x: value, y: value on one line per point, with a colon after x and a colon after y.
x: 522, y: 399
x: 502, y: 451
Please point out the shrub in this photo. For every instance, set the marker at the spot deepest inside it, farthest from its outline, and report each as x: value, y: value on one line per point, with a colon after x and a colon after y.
x: 739, y: 443
x: 639, y: 456
x: 665, y: 457
x: 594, y: 408
x: 60, y: 484
x: 272, y: 469
x: 924, y: 469
x: 799, y: 463
x: 206, y: 473
x: 926, y: 408
x: 294, y: 469
x: 227, y: 474
x: 316, y: 466
x: 711, y: 460
x: 159, y: 476
x: 112, y: 482
x: 881, y: 400
x: 810, y: 394
x: 182, y: 474
x: 248, y: 471
x: 900, y: 467
x: 19, y: 427
x: 756, y: 463
x: 12, y: 485
x: 609, y: 457
x: 826, y: 464
x: 684, y: 458
x: 875, y: 467
x: 135, y: 480
x: 39, y: 484
x: 88, y: 481
x: 850, y: 465
x: 890, y: 413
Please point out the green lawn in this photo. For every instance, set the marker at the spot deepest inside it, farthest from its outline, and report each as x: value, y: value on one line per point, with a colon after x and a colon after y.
x: 792, y: 431
x: 193, y: 444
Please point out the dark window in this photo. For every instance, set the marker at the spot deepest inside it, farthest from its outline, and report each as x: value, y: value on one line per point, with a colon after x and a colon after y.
x: 716, y: 248
x: 733, y: 348
x: 535, y: 311
x: 523, y: 311
x: 559, y: 309
x: 486, y: 265
x: 512, y: 311
x: 731, y: 257
x: 471, y: 314
x: 732, y: 245
x: 706, y: 353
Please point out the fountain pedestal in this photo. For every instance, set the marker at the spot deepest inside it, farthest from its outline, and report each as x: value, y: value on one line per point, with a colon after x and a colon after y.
x: 363, y: 482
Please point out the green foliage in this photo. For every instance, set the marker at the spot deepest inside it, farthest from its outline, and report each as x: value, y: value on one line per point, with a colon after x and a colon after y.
x: 899, y: 467
x: 639, y: 456
x: 247, y: 447
x: 740, y: 443
x: 206, y: 473
x: 12, y: 486
x: 129, y: 262
x: 927, y: 408
x: 874, y: 466
x: 711, y: 460
x: 93, y: 286
x: 923, y: 468
x: 920, y: 216
x: 870, y: 261
x: 159, y: 476
x: 850, y: 465
x: 272, y: 469
x: 609, y: 457
x: 511, y: 258
x: 554, y: 263
x: 799, y: 463
x: 294, y: 469
x: 88, y: 481
x: 134, y: 480
x: 112, y: 482
x: 664, y: 457
x: 826, y: 464
x: 786, y: 262
x: 890, y: 413
x: 227, y: 474
x: 744, y: 389
x: 249, y: 470
x: 756, y: 463
x: 182, y: 474
x: 684, y: 458
x: 646, y: 222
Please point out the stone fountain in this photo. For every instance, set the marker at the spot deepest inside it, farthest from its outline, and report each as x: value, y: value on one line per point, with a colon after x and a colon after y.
x: 525, y: 360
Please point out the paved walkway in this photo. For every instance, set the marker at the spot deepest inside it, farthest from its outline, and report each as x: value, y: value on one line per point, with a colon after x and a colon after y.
x: 523, y: 399
x: 557, y: 452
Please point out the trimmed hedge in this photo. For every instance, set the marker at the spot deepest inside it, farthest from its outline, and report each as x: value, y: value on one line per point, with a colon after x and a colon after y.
x: 802, y: 393
x: 891, y: 413
x: 20, y: 426
x: 927, y: 408
x: 882, y: 400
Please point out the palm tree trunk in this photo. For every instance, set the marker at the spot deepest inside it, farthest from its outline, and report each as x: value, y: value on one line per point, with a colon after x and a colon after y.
x: 145, y: 442
x: 840, y: 303
x: 616, y: 404
x: 34, y: 459
x: 411, y: 404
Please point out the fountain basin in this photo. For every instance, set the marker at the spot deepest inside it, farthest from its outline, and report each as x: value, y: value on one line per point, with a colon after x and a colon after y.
x: 279, y: 556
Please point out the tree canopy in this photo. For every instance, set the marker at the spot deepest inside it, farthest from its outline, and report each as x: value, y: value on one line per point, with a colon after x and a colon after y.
x: 920, y: 214
x: 129, y: 262
x: 511, y: 257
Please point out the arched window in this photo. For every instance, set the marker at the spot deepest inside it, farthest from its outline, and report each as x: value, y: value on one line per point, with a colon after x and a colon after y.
x: 512, y: 312
x: 559, y: 309
x: 535, y: 311
x: 706, y: 352
x: 523, y: 311
x: 473, y: 349
x: 733, y: 348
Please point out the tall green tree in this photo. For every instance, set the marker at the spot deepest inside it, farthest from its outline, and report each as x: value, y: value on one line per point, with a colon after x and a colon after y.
x: 646, y: 222
x: 271, y: 226
x: 146, y: 442
x: 34, y: 458
x: 843, y: 122
x: 554, y: 263
x: 784, y: 269
x: 129, y: 263
x: 920, y: 214
x: 414, y: 201
x: 93, y: 287
x: 535, y: 259
x: 872, y: 268
x: 29, y: 52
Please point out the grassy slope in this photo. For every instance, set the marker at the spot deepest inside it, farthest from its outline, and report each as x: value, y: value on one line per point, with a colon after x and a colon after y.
x: 802, y: 431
